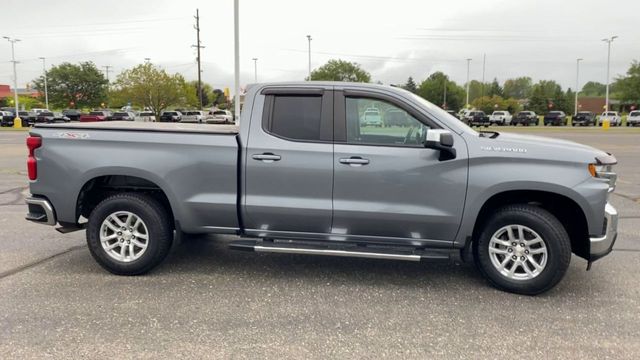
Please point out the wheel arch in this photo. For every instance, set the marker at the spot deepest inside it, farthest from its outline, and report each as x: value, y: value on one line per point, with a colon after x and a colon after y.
x: 568, y: 211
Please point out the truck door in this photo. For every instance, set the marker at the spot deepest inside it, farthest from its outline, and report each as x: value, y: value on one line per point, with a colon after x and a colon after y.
x: 387, y: 185
x: 289, y: 164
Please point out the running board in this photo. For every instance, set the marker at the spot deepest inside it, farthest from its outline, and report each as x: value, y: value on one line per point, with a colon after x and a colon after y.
x: 332, y: 249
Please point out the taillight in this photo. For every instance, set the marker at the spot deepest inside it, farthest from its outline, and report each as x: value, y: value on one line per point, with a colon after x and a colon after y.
x: 33, y: 142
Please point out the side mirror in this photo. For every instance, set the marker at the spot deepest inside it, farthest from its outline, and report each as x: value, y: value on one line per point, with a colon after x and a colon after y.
x: 441, y: 140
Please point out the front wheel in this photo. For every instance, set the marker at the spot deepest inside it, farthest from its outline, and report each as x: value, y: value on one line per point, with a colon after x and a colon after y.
x: 523, y: 249
x: 129, y: 233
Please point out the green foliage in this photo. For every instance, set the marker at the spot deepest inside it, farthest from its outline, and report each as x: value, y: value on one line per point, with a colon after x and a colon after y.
x: 148, y: 86
x: 411, y: 85
x: 495, y: 89
x: 518, y: 88
x: 25, y: 102
x: 71, y: 85
x: 593, y: 88
x: 547, y: 95
x: 340, y: 70
x: 628, y: 87
x: 432, y: 89
x: 489, y: 104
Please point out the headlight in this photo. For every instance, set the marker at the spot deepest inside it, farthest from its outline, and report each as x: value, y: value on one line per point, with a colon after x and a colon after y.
x: 604, y: 172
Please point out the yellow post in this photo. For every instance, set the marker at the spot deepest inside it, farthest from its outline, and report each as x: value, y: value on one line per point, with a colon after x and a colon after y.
x: 17, y: 122
x: 605, y: 124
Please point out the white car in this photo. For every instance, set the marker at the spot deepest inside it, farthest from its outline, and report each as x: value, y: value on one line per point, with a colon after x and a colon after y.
x: 634, y: 118
x: 613, y: 117
x: 220, y: 116
x: 192, y: 116
x: 146, y: 116
x: 500, y: 118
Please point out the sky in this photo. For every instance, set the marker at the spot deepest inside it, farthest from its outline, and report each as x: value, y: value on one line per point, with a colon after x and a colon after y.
x: 392, y: 40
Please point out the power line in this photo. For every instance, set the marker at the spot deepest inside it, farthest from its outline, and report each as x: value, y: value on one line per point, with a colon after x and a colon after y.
x: 106, y: 70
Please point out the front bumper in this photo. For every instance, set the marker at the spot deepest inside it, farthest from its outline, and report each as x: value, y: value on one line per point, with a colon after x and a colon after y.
x: 601, y: 246
x: 40, y: 211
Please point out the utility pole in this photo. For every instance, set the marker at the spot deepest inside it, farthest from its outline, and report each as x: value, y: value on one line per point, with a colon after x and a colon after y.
x: 236, y: 33
x: 15, y: 74
x: 198, y: 46
x: 608, y: 41
x: 106, y: 70
x: 484, y: 61
x: 444, y: 100
x: 255, y: 70
x: 468, y: 64
x: 46, y: 91
x: 309, y: 40
x: 575, y: 109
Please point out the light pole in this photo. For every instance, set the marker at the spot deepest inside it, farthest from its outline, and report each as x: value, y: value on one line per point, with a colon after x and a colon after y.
x: 468, y: 66
x: 147, y: 60
x: 575, y: 110
x: 236, y: 33
x: 46, y: 91
x: 608, y: 41
x: 255, y: 70
x: 309, y: 40
x: 15, y: 75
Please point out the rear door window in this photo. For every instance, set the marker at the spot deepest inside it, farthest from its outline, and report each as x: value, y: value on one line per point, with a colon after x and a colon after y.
x: 297, y: 117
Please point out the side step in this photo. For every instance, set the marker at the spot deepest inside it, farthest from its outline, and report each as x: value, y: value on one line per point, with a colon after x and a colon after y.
x: 333, y: 249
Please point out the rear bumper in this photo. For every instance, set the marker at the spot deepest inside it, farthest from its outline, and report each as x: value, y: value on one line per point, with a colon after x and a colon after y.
x: 602, y: 245
x: 40, y: 211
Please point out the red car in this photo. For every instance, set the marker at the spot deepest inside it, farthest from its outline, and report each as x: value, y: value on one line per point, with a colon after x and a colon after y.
x: 95, y: 116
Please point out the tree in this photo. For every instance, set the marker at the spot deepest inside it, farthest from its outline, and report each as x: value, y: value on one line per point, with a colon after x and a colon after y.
x: 495, y: 89
x: 518, y: 88
x: 218, y: 97
x: 432, y: 89
x: 628, y: 87
x: 151, y: 87
x: 207, y: 93
x: 593, y: 88
x: 410, y: 85
x: 340, y: 70
x: 75, y: 86
x: 488, y: 104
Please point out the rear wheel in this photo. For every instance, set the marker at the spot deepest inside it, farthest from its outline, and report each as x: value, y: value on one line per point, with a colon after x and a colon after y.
x: 129, y: 233
x: 523, y: 249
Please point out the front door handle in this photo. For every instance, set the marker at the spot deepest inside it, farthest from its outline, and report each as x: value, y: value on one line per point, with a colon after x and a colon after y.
x: 354, y: 161
x: 266, y: 157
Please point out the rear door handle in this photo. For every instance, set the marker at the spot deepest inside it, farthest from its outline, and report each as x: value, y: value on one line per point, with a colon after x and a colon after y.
x: 266, y: 157
x: 354, y: 161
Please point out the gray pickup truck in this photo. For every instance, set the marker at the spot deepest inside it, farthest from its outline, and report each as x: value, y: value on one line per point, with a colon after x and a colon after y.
x: 304, y: 173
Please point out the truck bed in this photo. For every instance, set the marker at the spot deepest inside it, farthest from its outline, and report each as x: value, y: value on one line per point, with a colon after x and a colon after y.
x: 146, y: 126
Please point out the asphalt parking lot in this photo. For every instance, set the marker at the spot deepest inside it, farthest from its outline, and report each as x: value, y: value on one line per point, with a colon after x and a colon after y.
x: 208, y: 302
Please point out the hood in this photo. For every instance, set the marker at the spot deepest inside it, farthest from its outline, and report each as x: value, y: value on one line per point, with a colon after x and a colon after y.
x: 540, y: 147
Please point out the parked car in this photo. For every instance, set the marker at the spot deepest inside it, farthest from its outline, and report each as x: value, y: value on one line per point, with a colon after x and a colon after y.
x: 477, y: 118
x: 555, y: 118
x: 146, y: 116
x: 500, y: 117
x: 518, y: 205
x: 193, y: 116
x: 220, y: 117
x: 122, y: 116
x: 170, y: 116
x: 72, y: 114
x: 396, y: 117
x: 462, y: 114
x: 525, y: 118
x: 9, y: 116
x: 634, y: 118
x: 612, y: 116
x: 452, y: 113
x: 584, y: 118
x: 96, y: 115
x: 372, y: 117
x: 51, y: 117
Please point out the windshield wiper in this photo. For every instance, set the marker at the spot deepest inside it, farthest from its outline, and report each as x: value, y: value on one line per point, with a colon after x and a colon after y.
x: 489, y: 134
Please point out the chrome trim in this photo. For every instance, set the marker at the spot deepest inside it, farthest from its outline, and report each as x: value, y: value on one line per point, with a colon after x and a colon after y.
x: 601, y: 245
x: 46, y: 206
x: 359, y: 254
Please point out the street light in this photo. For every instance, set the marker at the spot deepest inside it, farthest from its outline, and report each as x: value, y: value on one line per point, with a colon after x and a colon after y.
x: 468, y: 64
x: 147, y: 60
x: 255, y: 70
x: 46, y: 91
x: 309, y: 40
x: 15, y: 76
x: 575, y: 110
x: 608, y: 41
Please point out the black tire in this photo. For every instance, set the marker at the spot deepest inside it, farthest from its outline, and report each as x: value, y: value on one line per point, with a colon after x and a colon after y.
x: 155, y: 217
x: 550, y: 230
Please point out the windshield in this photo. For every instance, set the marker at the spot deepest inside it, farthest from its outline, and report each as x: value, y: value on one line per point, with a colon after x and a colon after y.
x: 634, y: 113
x: 97, y: 113
x: 121, y: 114
x: 609, y: 114
x: 146, y: 114
x: 219, y: 113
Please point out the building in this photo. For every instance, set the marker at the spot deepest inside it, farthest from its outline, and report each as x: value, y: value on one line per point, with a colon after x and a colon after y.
x: 596, y: 104
x: 7, y: 92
